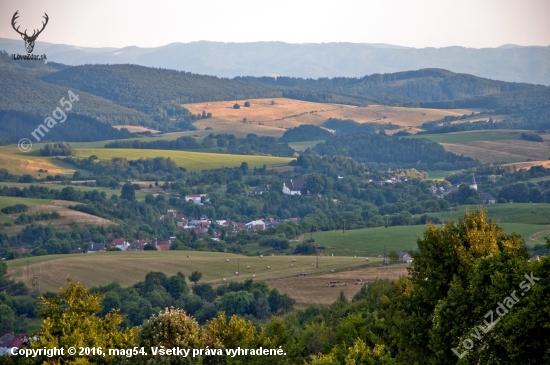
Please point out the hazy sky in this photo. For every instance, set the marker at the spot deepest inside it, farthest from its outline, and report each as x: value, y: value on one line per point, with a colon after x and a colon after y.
x: 412, y: 23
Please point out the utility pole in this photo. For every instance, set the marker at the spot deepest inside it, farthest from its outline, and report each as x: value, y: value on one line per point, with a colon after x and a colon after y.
x: 317, y: 250
x: 386, y: 262
x: 27, y: 269
x: 344, y: 230
x: 238, y: 267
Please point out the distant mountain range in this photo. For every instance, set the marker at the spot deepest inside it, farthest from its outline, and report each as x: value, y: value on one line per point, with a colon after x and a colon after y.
x: 507, y: 63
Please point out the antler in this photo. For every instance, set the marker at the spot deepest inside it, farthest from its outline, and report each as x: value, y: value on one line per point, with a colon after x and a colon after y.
x: 15, y: 16
x: 43, y: 26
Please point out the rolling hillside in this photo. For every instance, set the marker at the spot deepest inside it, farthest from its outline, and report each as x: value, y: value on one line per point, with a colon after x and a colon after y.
x: 26, y: 94
x: 404, y: 88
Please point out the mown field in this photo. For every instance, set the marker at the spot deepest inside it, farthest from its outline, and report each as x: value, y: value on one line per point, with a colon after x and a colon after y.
x: 192, y: 161
x: 527, y: 213
x: 19, y: 163
x: 266, y: 118
x: 68, y: 217
x: 128, y: 268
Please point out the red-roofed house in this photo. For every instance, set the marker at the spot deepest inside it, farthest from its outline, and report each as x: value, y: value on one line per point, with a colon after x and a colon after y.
x: 163, y: 247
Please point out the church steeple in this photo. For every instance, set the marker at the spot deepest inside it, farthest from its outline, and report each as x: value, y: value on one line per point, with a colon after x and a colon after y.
x: 473, y: 184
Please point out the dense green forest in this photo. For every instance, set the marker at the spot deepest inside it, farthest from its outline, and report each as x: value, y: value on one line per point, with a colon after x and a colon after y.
x: 26, y: 94
x: 305, y: 132
x: 379, y: 151
x: 35, y: 69
x: 252, y: 144
x: 404, y: 88
x: 15, y: 125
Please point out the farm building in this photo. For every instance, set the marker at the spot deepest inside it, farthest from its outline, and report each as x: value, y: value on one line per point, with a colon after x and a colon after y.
x: 295, y: 187
x: 487, y: 198
x: 404, y: 257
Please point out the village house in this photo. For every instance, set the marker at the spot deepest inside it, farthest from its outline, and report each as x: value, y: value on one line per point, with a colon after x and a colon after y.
x: 295, y: 187
x: 9, y: 341
x: 195, y: 198
x: 255, y: 225
x: 260, y: 189
x: 404, y: 257
x: 97, y: 247
x: 120, y: 243
x: 137, y: 245
x: 487, y: 198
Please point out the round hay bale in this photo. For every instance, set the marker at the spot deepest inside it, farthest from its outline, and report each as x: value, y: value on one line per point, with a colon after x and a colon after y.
x: 261, y: 256
x: 188, y: 256
x: 223, y: 279
x: 226, y: 260
x: 253, y: 276
x: 293, y: 260
x: 248, y: 267
x: 237, y: 273
x: 291, y: 265
x: 366, y: 259
x: 268, y: 267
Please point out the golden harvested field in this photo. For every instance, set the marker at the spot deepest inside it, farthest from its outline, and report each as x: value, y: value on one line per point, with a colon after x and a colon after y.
x: 503, y: 151
x: 528, y: 165
x: 265, y: 118
x: 19, y: 163
x: 135, y: 128
x: 127, y: 268
x: 311, y: 290
x: 68, y: 216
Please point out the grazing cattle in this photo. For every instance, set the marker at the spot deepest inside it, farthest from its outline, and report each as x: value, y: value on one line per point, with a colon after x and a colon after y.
x: 268, y: 267
x: 293, y: 260
x: 261, y: 256
x: 253, y: 276
x: 226, y: 260
x: 312, y: 264
x: 379, y: 256
x: 248, y: 267
x: 188, y: 256
x: 332, y: 270
x: 272, y: 255
x: 223, y: 279
x: 291, y: 265
x: 343, y: 284
x: 331, y: 255
x: 237, y: 273
x: 366, y: 259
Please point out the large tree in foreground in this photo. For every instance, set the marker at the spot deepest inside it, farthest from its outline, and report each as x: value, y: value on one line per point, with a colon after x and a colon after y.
x: 462, y: 272
x: 70, y: 320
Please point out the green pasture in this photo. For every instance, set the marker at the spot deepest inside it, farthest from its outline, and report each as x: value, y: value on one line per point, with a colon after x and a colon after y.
x: 192, y: 161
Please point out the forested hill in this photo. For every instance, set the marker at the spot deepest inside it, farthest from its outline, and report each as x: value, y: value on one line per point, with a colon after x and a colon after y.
x: 404, y: 88
x: 381, y: 152
x: 26, y: 94
x: 33, y: 69
x: 146, y: 89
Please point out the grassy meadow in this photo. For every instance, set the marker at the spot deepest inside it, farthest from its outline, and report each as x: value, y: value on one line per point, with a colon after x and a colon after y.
x: 192, y: 161
x: 127, y: 268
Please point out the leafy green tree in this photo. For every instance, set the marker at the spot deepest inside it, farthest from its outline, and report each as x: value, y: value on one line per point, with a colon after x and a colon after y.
x: 150, y: 247
x: 195, y: 276
x: 171, y: 328
x: 7, y: 318
x: 69, y: 319
x: 128, y: 192
x: 393, y: 255
x: 239, y: 303
x: 176, y: 285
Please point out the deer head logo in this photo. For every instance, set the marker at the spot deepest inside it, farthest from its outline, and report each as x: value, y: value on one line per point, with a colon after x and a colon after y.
x: 29, y: 40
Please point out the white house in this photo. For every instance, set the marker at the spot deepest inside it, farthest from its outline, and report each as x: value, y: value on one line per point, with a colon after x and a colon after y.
x: 294, y: 187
